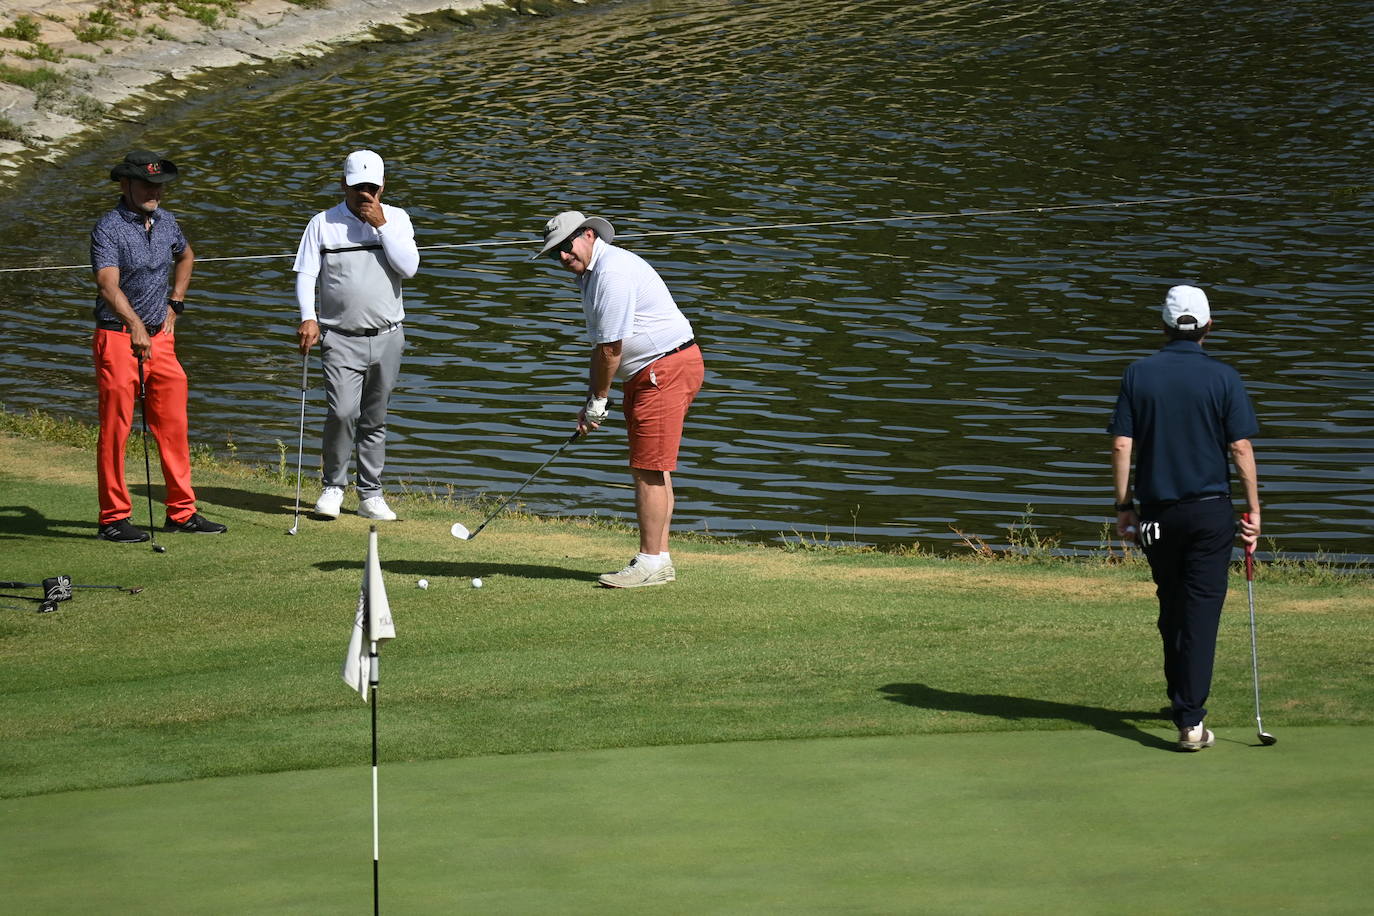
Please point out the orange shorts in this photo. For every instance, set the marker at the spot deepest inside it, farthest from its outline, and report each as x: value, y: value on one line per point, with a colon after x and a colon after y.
x: 656, y: 402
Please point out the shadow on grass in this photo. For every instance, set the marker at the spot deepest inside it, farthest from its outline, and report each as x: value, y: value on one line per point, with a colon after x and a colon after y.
x: 431, y: 569
x: 253, y: 501
x: 25, y: 522
x: 1114, y: 721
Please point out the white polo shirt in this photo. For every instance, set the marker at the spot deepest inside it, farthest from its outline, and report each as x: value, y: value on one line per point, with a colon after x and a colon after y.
x: 625, y: 299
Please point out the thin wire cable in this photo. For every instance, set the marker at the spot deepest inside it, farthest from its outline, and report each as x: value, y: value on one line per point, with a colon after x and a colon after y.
x: 815, y: 224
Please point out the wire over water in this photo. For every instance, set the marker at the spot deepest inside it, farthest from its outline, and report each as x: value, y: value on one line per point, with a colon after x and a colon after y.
x: 811, y: 224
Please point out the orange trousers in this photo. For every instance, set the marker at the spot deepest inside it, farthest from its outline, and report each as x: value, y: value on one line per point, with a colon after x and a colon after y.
x: 116, y: 378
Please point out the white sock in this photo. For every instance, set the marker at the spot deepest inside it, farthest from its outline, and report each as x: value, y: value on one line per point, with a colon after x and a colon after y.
x: 667, y: 560
x: 650, y: 562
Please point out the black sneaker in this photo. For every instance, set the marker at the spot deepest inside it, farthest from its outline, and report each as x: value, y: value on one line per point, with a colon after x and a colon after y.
x: 196, y: 524
x: 121, y: 532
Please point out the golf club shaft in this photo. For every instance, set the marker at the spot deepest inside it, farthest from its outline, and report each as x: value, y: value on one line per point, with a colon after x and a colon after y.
x: 147, y: 463
x: 516, y: 491
x: 1264, y: 737
x: 300, y: 439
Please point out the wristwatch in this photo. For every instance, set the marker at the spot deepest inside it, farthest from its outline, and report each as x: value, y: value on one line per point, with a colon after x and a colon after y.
x: 1125, y: 507
x: 176, y: 305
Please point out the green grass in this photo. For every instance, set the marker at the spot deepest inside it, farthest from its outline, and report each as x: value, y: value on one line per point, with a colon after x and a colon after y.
x: 780, y: 730
x: 226, y: 664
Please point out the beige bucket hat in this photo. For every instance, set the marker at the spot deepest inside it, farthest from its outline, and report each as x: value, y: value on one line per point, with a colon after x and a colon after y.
x: 557, y: 230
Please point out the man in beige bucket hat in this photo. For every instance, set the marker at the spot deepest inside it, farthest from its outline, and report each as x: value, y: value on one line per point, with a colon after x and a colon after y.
x: 640, y: 336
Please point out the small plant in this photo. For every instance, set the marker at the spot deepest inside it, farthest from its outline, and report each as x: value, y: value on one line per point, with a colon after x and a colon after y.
x: 10, y: 131
x: 42, y: 51
x: 1027, y: 542
x: 83, y: 107
x: 37, y: 79
x: 25, y: 28
x: 158, y: 32
x: 981, y: 549
x: 100, y: 26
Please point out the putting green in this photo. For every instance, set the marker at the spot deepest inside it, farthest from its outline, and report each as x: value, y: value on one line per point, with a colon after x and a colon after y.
x: 1023, y: 822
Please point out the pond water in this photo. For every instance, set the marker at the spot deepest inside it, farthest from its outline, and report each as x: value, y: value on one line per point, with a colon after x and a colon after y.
x: 918, y: 242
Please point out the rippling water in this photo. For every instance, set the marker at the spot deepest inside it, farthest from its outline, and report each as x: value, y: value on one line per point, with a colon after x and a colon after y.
x: 872, y: 381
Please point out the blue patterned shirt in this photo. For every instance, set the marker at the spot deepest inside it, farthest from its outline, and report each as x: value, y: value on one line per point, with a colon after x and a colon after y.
x: 144, y: 258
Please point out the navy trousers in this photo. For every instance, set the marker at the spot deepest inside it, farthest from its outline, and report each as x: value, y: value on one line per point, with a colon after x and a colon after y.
x: 1189, y: 548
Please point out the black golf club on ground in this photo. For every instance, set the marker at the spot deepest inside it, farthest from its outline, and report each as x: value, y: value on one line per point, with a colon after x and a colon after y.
x: 1265, y: 738
x: 133, y: 590
x: 147, y: 462
x: 460, y: 531
x: 300, y: 442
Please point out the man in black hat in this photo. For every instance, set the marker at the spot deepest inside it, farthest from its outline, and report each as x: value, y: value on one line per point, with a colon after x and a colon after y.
x: 135, y: 248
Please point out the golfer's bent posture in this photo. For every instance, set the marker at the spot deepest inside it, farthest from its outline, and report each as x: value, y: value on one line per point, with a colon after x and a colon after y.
x: 359, y: 251
x: 135, y: 249
x: 639, y: 335
x: 1184, y: 414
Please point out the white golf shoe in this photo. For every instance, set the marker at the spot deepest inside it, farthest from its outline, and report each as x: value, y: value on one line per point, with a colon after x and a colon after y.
x: 635, y: 575
x: 329, y: 502
x: 375, y: 507
x: 1195, y: 738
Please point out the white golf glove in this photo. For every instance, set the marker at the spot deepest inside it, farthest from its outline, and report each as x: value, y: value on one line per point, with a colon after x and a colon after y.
x: 596, y: 410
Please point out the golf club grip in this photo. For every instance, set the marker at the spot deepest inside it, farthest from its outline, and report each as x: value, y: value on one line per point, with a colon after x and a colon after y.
x: 1249, y: 555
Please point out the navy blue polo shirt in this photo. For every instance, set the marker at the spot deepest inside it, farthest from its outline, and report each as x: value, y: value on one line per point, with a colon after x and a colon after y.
x: 1183, y: 409
x: 144, y: 258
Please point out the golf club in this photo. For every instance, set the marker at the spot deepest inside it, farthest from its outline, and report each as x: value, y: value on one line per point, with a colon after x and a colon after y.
x: 134, y: 590
x: 460, y: 531
x: 147, y: 462
x: 1265, y: 738
x: 300, y: 441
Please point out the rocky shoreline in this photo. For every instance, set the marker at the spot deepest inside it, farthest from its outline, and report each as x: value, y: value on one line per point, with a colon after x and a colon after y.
x: 73, y: 67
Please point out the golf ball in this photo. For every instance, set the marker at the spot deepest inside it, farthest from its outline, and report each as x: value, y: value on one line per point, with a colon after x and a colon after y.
x: 476, y: 583
x: 423, y: 583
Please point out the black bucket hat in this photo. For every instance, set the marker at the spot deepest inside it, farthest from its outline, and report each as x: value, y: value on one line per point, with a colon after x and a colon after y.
x: 146, y: 166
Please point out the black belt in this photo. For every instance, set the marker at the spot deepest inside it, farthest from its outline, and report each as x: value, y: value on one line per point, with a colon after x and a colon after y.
x: 106, y: 324
x: 370, y: 332
x: 1186, y: 501
x: 686, y: 346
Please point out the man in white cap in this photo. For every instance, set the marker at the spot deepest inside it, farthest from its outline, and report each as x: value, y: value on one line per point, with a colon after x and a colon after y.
x: 638, y: 335
x: 1184, y: 414
x: 358, y: 252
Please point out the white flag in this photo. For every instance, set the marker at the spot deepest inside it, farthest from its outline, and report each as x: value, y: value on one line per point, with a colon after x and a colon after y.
x: 374, y: 613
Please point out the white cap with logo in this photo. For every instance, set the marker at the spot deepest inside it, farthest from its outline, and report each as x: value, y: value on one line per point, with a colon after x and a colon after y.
x: 1186, y: 309
x: 363, y: 167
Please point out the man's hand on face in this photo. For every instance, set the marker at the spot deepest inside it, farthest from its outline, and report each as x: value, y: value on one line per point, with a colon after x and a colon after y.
x: 370, y: 208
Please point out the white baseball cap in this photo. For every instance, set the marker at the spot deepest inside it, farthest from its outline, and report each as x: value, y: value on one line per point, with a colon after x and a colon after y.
x: 1186, y: 309
x: 363, y: 167
x: 566, y: 223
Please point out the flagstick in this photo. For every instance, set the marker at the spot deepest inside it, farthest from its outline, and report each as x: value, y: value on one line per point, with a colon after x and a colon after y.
x: 376, y: 841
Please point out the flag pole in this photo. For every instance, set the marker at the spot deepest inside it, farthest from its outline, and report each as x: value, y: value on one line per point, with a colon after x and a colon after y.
x: 376, y: 837
x: 372, y: 626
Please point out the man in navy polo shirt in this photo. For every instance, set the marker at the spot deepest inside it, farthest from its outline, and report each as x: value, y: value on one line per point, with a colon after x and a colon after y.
x: 1184, y: 415
x: 142, y: 266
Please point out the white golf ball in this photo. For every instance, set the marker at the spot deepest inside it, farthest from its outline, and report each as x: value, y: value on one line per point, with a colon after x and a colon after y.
x: 476, y: 583
x: 423, y: 583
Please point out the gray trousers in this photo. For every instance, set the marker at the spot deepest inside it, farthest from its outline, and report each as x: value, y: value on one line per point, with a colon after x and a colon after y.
x: 359, y: 373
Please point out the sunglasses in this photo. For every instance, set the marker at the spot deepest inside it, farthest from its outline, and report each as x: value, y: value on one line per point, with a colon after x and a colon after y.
x: 565, y: 247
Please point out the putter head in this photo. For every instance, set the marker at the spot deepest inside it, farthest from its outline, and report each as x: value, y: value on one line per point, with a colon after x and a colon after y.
x: 460, y: 531
x: 158, y: 548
